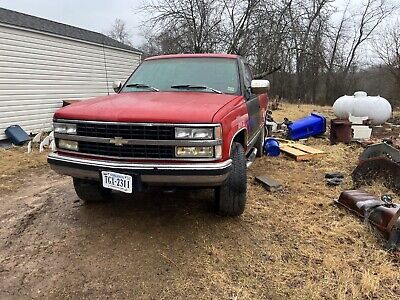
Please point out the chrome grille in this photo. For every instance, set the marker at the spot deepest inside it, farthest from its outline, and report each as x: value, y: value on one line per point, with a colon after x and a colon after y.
x: 126, y: 131
x: 127, y: 151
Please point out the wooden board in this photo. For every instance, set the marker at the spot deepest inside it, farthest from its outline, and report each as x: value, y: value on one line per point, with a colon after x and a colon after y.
x: 301, y: 152
x: 270, y: 184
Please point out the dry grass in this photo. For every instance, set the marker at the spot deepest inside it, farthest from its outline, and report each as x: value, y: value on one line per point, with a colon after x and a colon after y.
x: 16, y: 164
x: 293, y: 244
x: 294, y: 111
x: 319, y: 250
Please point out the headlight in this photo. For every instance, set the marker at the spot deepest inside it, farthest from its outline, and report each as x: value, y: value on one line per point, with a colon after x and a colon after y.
x: 68, y: 145
x: 64, y: 128
x: 194, y: 152
x: 196, y: 133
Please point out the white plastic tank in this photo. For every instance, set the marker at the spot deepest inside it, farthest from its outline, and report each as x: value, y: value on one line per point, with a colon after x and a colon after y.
x: 377, y: 109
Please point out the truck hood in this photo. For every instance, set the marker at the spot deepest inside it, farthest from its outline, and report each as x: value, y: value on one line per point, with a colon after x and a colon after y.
x: 161, y: 107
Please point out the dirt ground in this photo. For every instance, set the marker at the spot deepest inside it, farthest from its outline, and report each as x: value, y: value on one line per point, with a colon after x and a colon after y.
x: 292, y: 244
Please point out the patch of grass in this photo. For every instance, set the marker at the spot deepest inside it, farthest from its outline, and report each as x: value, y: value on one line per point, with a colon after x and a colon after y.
x: 318, y: 250
x: 16, y: 164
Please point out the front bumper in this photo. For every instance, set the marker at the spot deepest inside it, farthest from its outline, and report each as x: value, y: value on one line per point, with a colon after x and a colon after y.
x: 185, y: 174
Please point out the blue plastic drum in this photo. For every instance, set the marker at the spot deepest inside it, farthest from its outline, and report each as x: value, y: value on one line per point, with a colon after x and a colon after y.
x: 271, y: 147
x: 312, y: 125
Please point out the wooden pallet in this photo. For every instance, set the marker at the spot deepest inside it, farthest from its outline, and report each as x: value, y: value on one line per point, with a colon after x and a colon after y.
x: 301, y: 152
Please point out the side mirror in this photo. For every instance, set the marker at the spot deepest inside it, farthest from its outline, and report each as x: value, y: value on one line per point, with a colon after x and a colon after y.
x: 117, y: 86
x: 260, y: 86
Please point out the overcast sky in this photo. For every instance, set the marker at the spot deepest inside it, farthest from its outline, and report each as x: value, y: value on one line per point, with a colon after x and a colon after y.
x: 96, y: 15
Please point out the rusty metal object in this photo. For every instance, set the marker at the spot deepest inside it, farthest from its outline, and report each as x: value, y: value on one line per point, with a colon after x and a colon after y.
x: 340, y: 131
x: 378, y: 168
x: 384, y: 215
x: 381, y: 150
x: 378, y: 162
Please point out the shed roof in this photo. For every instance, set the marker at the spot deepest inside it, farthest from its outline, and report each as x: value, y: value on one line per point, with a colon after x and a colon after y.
x: 18, y: 19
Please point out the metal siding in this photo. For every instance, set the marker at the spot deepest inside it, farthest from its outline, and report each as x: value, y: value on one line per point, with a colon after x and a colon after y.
x: 38, y: 71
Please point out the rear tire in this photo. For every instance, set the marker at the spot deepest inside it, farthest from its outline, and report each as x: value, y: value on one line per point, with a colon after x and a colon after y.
x: 259, y: 145
x: 230, y: 198
x: 91, y: 191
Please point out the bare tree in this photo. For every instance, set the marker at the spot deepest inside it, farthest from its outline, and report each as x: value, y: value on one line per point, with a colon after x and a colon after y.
x: 295, y: 43
x: 388, y: 49
x: 334, y: 53
x: 238, y: 27
x: 193, y: 22
x: 374, y: 12
x: 120, y: 32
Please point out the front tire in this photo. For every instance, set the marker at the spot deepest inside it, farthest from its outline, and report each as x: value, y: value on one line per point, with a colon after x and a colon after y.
x: 91, y: 191
x: 230, y: 198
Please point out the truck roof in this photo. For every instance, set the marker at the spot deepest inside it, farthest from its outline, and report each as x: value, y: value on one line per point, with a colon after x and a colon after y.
x: 216, y: 55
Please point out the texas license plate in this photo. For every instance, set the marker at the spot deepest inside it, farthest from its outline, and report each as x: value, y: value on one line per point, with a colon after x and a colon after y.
x: 117, y: 181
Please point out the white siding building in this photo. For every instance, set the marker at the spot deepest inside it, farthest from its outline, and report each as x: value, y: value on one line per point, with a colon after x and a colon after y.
x: 43, y: 63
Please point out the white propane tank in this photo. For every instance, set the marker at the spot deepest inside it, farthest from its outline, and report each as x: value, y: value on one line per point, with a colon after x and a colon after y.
x: 343, y: 106
x: 377, y: 109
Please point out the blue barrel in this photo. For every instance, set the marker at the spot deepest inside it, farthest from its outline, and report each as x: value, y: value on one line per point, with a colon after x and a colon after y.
x: 16, y: 135
x: 271, y: 147
x: 312, y: 125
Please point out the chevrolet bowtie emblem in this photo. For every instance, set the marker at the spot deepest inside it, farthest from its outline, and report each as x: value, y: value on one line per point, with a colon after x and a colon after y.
x: 118, y: 141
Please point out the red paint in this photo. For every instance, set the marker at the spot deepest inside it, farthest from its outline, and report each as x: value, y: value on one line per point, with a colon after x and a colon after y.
x: 147, y: 107
x: 171, y: 107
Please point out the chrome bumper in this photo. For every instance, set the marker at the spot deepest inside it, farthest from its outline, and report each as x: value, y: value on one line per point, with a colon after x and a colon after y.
x: 185, y: 174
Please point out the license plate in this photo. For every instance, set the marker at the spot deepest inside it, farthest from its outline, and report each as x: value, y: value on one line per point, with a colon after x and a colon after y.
x: 116, y: 181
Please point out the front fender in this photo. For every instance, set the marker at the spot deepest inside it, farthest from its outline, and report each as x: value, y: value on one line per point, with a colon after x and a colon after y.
x: 234, y: 119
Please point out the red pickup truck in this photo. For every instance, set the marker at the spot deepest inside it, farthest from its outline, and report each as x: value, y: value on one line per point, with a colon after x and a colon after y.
x: 191, y: 120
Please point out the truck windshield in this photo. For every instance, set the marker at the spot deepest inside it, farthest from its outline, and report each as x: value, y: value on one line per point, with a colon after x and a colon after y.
x: 208, y: 75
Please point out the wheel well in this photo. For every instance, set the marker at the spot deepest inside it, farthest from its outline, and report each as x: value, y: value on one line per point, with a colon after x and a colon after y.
x: 240, y: 138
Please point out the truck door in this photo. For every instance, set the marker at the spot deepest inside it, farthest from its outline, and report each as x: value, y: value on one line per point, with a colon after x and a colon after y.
x: 252, y: 103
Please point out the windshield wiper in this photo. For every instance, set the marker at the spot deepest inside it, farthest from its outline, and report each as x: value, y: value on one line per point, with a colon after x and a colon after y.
x: 142, y: 85
x: 194, y: 87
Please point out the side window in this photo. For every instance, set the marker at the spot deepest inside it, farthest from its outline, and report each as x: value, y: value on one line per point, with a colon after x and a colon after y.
x: 247, y: 74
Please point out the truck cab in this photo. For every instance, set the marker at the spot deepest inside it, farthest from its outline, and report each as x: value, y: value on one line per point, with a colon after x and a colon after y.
x: 194, y: 120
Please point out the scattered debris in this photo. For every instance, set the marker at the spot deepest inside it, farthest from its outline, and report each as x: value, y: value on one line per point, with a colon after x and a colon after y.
x: 340, y: 131
x: 17, y: 135
x: 271, y: 147
x: 361, y: 132
x: 334, y: 175
x: 270, y: 184
x: 382, y: 213
x: 301, y: 152
x: 378, y: 162
x: 313, y: 125
x: 37, y: 138
x: 42, y: 141
x: 381, y: 150
x: 286, y: 122
x: 377, y: 168
x: 334, y: 181
x: 358, y: 120
x: 270, y: 124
